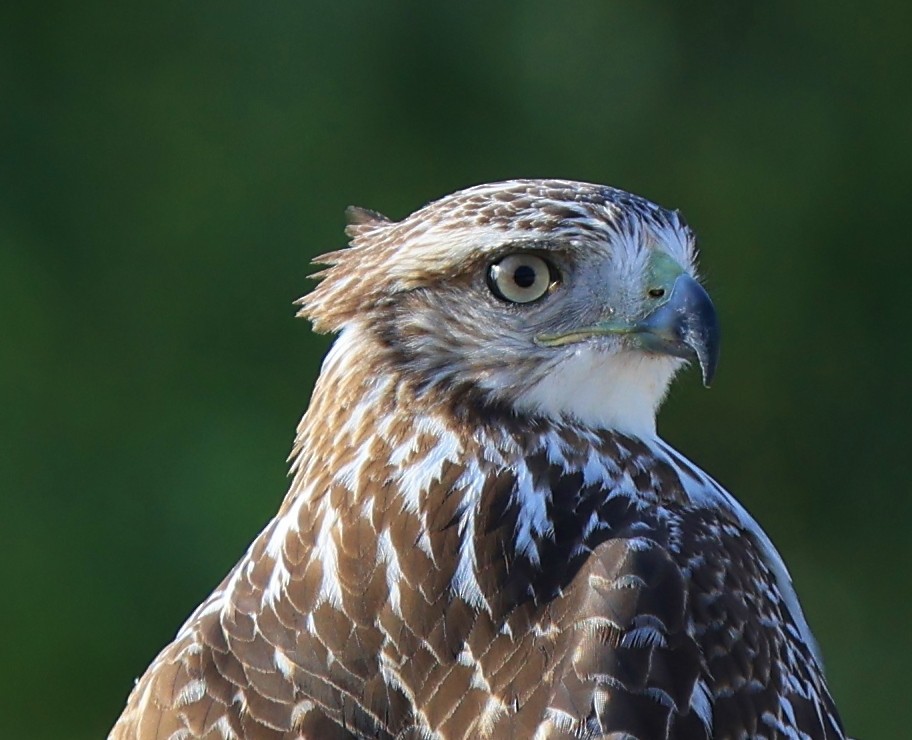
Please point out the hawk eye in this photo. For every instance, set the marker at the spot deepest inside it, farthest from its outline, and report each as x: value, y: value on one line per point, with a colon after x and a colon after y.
x: 521, y: 278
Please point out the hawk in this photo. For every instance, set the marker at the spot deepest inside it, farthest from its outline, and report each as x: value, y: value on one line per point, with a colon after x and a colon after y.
x: 484, y: 536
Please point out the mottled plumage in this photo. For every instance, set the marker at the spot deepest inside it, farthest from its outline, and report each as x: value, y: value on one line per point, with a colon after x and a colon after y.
x: 484, y: 537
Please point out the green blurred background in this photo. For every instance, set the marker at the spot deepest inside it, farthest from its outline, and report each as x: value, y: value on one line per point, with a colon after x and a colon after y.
x: 169, y: 169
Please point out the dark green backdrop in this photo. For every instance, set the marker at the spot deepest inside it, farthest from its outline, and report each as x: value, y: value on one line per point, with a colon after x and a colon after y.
x: 169, y: 169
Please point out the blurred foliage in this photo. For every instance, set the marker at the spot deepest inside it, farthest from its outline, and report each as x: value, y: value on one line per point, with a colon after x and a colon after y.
x: 169, y: 169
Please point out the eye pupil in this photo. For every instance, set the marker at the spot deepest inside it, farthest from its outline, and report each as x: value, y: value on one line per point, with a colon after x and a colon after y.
x: 524, y: 276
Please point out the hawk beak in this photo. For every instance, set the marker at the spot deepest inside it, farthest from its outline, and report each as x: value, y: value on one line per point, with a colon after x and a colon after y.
x: 685, y: 325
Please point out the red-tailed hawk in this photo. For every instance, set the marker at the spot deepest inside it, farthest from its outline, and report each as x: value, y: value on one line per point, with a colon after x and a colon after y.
x: 484, y: 536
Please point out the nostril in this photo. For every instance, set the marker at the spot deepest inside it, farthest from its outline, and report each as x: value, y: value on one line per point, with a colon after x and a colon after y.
x: 656, y: 292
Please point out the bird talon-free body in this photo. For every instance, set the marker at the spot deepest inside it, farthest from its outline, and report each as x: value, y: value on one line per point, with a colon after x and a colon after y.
x: 484, y: 536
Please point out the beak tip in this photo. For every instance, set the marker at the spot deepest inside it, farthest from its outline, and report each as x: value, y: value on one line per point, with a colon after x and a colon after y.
x: 707, y: 353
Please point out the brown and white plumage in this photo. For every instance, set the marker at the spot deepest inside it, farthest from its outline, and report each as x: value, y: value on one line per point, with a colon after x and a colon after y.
x: 484, y: 537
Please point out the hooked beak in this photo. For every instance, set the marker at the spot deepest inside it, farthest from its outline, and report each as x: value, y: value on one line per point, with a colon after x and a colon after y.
x: 684, y: 325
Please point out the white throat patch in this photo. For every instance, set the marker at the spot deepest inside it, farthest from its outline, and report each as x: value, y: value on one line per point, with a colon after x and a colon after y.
x: 618, y: 391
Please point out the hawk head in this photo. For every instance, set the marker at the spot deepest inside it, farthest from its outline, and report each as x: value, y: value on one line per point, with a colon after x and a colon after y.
x: 543, y: 297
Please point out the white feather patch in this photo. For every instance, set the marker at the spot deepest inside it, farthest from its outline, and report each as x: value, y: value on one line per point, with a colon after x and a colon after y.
x: 386, y: 554
x: 326, y: 552
x: 604, y: 390
x: 532, y: 520
x: 416, y: 478
x: 465, y: 578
